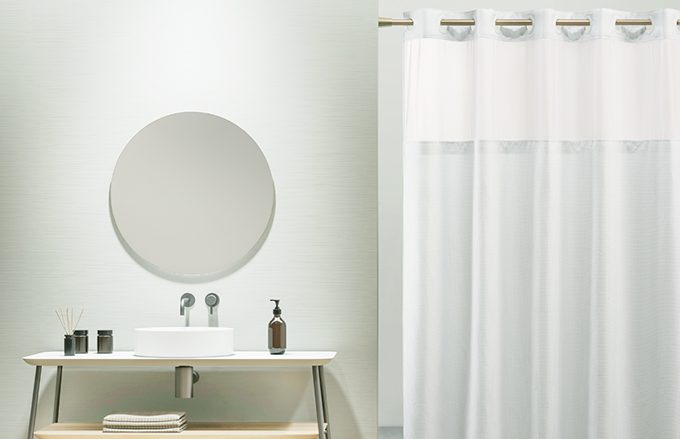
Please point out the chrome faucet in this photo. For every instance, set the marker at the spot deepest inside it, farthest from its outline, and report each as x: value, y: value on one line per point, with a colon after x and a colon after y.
x: 212, y: 300
x: 187, y: 301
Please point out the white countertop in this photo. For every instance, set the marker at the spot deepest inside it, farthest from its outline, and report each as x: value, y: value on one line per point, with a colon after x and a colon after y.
x: 239, y: 358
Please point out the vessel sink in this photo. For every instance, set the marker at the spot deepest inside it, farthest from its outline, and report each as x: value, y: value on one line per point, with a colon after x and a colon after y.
x: 184, y: 342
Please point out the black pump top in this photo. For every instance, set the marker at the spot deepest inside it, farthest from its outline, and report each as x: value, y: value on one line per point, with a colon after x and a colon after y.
x: 277, y: 310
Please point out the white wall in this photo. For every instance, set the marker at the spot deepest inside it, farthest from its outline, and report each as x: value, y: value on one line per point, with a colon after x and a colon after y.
x: 77, y: 80
x: 389, y: 152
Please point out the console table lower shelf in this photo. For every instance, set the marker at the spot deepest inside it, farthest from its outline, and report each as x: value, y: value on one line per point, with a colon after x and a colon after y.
x: 216, y: 430
x: 196, y: 430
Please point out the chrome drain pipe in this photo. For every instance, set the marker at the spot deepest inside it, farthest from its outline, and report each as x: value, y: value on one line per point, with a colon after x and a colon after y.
x: 185, y: 377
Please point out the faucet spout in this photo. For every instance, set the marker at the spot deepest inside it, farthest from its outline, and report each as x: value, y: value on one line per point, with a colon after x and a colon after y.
x: 186, y: 301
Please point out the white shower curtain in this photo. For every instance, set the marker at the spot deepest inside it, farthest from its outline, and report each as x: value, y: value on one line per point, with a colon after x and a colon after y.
x: 542, y: 227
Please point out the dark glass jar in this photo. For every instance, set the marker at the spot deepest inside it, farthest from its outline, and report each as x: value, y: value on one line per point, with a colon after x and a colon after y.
x: 69, y: 345
x: 105, y: 341
x: 81, y: 341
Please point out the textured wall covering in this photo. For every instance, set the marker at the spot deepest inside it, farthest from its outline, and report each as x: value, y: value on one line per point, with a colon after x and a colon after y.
x: 77, y: 80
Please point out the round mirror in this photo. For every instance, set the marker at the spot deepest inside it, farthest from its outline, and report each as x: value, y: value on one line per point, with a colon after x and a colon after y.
x: 192, y: 197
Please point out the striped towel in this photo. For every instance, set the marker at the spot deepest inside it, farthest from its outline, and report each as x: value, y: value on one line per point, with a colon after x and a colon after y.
x: 145, y: 422
x: 145, y: 417
x: 145, y: 430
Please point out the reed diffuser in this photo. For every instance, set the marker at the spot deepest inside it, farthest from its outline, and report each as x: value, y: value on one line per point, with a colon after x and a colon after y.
x: 68, y: 321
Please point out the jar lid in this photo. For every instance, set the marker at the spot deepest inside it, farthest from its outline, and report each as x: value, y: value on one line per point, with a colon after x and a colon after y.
x: 105, y: 332
x: 80, y: 332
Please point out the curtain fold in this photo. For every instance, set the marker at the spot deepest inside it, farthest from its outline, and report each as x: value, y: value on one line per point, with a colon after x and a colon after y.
x: 541, y: 228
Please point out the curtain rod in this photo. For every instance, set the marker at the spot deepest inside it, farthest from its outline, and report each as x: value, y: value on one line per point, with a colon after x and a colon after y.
x: 385, y: 22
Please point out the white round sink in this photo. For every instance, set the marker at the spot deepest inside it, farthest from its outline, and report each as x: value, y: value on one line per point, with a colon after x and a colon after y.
x: 184, y: 342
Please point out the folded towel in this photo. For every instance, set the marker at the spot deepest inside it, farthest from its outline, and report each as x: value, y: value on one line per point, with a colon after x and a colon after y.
x: 145, y: 417
x: 145, y: 430
x: 145, y: 422
x: 133, y: 425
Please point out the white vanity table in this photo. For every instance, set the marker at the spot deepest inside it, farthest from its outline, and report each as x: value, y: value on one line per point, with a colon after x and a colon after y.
x: 298, y: 430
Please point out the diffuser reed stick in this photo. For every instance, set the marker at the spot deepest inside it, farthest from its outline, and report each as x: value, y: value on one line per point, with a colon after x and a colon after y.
x: 67, y: 319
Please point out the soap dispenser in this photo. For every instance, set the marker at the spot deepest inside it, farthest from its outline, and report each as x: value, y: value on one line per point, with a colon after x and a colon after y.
x: 277, y: 331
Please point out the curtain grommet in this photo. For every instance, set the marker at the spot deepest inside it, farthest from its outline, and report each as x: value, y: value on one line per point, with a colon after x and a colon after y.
x: 513, y: 31
x: 633, y: 33
x: 459, y: 33
x: 573, y: 33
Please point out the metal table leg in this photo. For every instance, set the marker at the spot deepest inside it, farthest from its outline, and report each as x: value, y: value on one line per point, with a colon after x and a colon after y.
x: 324, y: 401
x: 34, y: 402
x: 318, y: 403
x: 57, y: 395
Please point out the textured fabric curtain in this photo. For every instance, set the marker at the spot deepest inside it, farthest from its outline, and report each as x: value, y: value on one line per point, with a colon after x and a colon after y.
x: 542, y: 227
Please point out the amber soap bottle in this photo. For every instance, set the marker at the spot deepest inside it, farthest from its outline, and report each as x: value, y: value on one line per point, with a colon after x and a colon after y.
x: 277, y: 331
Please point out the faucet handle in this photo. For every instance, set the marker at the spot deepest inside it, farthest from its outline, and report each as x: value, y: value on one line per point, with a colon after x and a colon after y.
x: 212, y: 300
x: 187, y: 300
